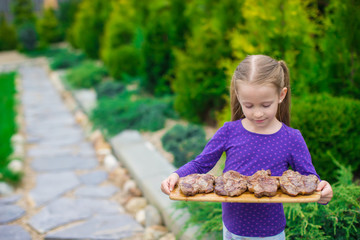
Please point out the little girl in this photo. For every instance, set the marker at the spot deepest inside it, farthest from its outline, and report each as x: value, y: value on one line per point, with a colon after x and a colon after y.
x: 258, y: 137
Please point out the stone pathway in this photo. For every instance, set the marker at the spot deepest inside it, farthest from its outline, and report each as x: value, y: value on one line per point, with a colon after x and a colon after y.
x: 68, y: 193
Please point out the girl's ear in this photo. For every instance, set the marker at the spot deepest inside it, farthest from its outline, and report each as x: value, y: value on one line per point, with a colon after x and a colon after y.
x: 283, y: 93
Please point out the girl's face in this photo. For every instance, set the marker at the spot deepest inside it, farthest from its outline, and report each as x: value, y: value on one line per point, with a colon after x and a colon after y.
x: 259, y: 104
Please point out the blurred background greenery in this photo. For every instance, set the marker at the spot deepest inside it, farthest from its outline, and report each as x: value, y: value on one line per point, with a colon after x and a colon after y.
x: 181, y: 54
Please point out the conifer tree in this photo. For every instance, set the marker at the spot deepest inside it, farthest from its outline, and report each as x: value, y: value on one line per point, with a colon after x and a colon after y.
x: 48, y: 28
x: 23, y: 12
x: 7, y: 35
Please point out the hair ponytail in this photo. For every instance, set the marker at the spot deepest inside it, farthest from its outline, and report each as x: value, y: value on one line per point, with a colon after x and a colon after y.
x: 283, y: 113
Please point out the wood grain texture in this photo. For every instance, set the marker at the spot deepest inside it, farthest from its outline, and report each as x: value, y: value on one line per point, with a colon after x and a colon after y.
x: 246, y: 197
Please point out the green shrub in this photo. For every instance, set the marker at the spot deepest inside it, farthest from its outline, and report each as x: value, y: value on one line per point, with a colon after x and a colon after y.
x: 185, y: 143
x: 23, y: 13
x: 66, y: 15
x: 123, y: 60
x: 109, y: 89
x: 89, y: 25
x: 8, y: 39
x: 200, y: 83
x: 157, y: 51
x: 329, y: 124
x: 7, y: 125
x: 66, y: 59
x: 48, y: 28
x: 128, y: 111
x: 86, y: 75
x: 119, y: 51
x: 27, y: 36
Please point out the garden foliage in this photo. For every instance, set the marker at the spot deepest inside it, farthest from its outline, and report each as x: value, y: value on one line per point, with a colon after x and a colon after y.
x: 89, y: 25
x: 184, y: 142
x: 119, y: 51
x: 65, y: 58
x: 7, y: 124
x: 88, y: 74
x: 48, y: 28
x: 8, y: 39
x: 129, y: 111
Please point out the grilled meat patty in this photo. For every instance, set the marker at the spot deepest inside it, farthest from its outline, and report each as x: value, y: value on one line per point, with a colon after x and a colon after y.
x: 230, y: 184
x: 196, y: 183
x: 293, y: 183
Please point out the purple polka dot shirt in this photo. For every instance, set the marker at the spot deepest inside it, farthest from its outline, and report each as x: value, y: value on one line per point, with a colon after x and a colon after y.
x: 246, y: 153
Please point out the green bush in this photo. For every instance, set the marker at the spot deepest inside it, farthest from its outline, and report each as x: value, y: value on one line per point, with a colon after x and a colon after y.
x: 48, y: 28
x: 340, y: 219
x: 128, y: 111
x: 185, y: 143
x: 124, y: 60
x: 200, y: 83
x: 157, y: 51
x: 7, y: 125
x: 66, y: 15
x: 27, y: 36
x: 119, y: 51
x: 109, y: 89
x: 8, y: 39
x: 23, y: 13
x: 329, y: 124
x: 86, y: 75
x: 66, y: 59
x: 89, y: 25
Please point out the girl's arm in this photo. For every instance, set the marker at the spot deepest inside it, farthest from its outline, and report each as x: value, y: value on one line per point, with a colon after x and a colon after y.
x: 206, y: 160
x: 301, y: 162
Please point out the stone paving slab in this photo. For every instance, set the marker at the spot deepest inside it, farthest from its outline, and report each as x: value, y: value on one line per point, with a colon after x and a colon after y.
x: 13, y: 232
x: 96, y: 191
x: 68, y: 210
x: 10, y: 213
x: 64, y: 162
x: 50, y: 186
x: 93, y: 178
x: 10, y: 199
x: 100, y: 227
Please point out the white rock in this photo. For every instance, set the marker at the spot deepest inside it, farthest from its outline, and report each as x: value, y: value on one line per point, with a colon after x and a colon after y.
x: 152, y: 216
x: 168, y: 236
x: 17, y: 138
x: 135, y: 204
x: 15, y: 165
x: 140, y: 217
x: 6, y: 189
x: 128, y: 185
x: 110, y: 162
x: 155, y: 232
x: 19, y: 150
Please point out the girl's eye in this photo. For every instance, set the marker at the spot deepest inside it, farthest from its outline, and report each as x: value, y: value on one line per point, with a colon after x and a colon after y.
x: 267, y: 105
x: 248, y: 106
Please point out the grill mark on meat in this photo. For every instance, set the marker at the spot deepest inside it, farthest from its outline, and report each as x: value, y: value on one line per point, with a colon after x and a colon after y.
x: 196, y: 183
x: 230, y: 184
x: 293, y: 183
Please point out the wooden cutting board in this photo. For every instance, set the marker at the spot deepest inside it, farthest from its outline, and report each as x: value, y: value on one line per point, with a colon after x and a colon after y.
x: 246, y: 197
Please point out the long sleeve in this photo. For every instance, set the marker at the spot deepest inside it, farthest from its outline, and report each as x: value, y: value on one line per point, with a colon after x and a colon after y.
x: 300, y: 155
x: 212, y: 152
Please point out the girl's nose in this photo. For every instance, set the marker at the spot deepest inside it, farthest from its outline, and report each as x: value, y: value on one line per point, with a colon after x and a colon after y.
x: 258, y: 114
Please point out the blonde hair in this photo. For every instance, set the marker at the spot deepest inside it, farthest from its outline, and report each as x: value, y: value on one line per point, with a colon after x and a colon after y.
x: 261, y: 69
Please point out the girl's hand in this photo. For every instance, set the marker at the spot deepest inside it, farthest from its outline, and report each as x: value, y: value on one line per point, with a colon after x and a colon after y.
x: 168, y: 184
x: 326, y: 192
